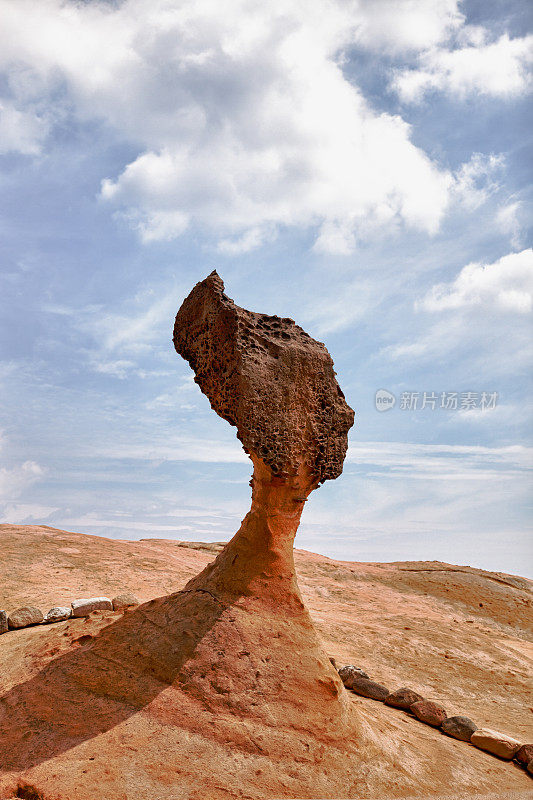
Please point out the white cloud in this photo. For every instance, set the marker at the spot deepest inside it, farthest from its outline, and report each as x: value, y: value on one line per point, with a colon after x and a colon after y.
x: 425, y: 461
x: 498, y: 69
x: 474, y: 181
x: 176, y: 448
x: 402, y: 26
x: 507, y: 285
x: 249, y: 240
x: 26, y: 513
x: 126, y: 341
x: 508, y: 220
x: 21, y: 131
x: 15, y: 480
x: 118, y: 369
x: 242, y: 115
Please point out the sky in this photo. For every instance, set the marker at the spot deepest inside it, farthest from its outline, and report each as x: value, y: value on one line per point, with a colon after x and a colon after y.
x: 361, y: 166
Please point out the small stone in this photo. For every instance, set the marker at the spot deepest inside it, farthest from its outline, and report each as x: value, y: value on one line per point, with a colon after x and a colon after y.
x: 3, y: 622
x: 334, y: 663
x: 499, y: 744
x: 83, y: 607
x: 368, y: 688
x: 460, y: 728
x: 347, y: 672
x: 58, y: 614
x: 403, y: 698
x: 530, y: 767
x: 124, y: 601
x: 525, y: 754
x: 429, y: 712
x: 25, y: 616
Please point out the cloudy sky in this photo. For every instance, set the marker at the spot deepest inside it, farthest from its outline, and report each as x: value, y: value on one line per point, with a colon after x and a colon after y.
x: 358, y: 165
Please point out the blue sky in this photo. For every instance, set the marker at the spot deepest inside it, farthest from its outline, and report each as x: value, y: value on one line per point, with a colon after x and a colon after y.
x: 362, y: 167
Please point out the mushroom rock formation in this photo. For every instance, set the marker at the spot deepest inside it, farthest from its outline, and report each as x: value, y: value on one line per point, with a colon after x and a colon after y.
x: 276, y: 384
x: 229, y: 670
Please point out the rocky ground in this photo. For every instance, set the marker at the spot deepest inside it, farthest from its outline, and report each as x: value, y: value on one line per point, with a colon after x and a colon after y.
x: 457, y: 635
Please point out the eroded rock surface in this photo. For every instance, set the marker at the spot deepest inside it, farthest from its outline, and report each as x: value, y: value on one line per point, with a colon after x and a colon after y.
x: 269, y: 378
x: 277, y: 385
x: 234, y: 653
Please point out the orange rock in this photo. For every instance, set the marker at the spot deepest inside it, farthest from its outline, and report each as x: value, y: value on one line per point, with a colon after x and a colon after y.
x: 403, y: 698
x: 429, y: 712
x: 234, y: 655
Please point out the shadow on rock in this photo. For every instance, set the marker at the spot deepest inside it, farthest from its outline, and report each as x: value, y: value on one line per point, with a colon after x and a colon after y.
x: 90, y: 690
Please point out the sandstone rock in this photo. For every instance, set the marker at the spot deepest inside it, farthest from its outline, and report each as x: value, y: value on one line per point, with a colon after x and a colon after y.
x: 429, y: 712
x: 25, y: 616
x: 499, y: 744
x: 368, y: 688
x: 525, y: 754
x: 459, y: 727
x: 3, y: 622
x: 403, y: 698
x: 124, y: 601
x: 83, y: 607
x: 235, y: 650
x: 270, y: 379
x: 274, y: 383
x: 347, y: 672
x: 58, y: 614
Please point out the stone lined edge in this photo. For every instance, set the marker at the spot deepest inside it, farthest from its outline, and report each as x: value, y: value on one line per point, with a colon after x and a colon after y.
x: 29, y: 616
x: 432, y: 713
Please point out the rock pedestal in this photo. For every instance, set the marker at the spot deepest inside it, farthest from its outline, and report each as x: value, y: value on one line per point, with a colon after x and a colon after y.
x: 276, y: 384
x: 233, y: 658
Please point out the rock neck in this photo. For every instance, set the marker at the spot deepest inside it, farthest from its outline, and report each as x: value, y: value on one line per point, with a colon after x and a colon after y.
x: 259, y: 560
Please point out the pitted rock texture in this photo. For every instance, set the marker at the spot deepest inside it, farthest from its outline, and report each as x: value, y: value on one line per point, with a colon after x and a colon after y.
x: 269, y: 378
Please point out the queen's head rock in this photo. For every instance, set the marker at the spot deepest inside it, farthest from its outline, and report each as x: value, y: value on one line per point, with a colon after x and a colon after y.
x: 268, y: 377
x: 231, y: 662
